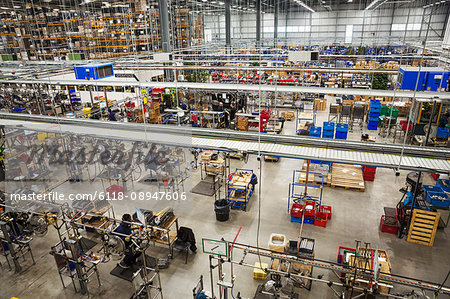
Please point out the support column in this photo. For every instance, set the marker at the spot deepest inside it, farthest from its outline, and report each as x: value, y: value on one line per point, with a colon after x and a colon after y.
x: 258, y: 23
x: 165, y: 33
x: 275, y: 23
x: 228, y: 25
x: 164, y: 17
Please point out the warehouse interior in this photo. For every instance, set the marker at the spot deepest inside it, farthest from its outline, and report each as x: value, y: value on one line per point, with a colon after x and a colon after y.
x: 229, y: 149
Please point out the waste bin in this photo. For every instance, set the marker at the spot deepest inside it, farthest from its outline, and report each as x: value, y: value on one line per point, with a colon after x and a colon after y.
x: 222, y: 209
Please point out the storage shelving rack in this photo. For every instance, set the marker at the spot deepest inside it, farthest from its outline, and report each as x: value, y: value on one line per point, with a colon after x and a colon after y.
x: 293, y: 193
x: 305, y: 115
x: 239, y: 193
x: 38, y: 32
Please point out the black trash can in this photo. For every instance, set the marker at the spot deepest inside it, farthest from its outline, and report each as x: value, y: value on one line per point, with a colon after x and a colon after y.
x: 222, y: 209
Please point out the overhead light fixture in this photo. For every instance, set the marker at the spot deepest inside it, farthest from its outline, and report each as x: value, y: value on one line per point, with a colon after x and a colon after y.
x: 436, y: 3
x: 350, y: 1
x: 304, y: 5
x: 372, y: 4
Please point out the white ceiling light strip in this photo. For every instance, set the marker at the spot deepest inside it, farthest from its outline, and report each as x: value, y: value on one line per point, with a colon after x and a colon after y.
x: 372, y: 4
x: 304, y: 5
x: 436, y: 3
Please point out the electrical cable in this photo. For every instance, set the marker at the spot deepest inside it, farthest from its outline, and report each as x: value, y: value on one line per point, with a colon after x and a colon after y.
x: 445, y: 280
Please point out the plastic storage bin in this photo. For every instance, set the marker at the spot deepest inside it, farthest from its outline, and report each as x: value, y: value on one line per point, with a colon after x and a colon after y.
x: 387, y: 227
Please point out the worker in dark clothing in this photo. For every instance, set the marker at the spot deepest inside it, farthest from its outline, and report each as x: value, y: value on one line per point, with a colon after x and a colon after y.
x: 232, y: 112
x: 220, y: 108
x: 443, y: 121
x: 112, y: 115
x: 124, y: 229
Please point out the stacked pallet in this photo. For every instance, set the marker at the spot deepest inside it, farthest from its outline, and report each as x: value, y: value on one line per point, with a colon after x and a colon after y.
x: 347, y: 176
x: 154, y: 113
x: 242, y: 123
x: 314, y: 177
x: 320, y: 104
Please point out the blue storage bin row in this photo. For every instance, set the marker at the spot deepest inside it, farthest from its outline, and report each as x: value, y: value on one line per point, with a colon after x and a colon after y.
x: 299, y: 220
x: 327, y: 136
x: 374, y: 110
x: 374, y: 114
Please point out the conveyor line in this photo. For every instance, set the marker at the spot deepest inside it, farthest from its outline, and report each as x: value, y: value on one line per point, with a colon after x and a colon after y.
x: 379, y: 155
x: 444, y: 96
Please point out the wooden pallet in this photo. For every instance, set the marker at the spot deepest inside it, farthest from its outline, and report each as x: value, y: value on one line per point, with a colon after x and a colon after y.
x: 347, y: 176
x: 423, y: 227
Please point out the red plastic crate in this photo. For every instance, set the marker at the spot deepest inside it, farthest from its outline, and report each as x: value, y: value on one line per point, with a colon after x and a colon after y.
x: 370, y: 178
x: 327, y: 210
x: 368, y: 169
x: 387, y: 228
x: 296, y: 210
x: 320, y: 221
x: 310, y: 212
x: 114, y: 191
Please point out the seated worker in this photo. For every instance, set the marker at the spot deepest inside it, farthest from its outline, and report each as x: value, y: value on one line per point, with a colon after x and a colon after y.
x: 443, y: 121
x: 125, y: 229
x: 112, y: 115
x: 220, y: 108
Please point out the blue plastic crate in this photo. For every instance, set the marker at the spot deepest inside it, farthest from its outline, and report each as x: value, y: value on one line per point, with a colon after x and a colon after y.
x: 444, y: 184
x: 373, y: 119
x: 341, y: 127
x: 376, y: 114
x: 340, y: 135
x: 372, y: 127
x: 315, y: 131
x: 309, y: 220
x: 327, y: 136
x: 375, y: 110
x: 443, y: 202
x: 328, y: 124
x: 296, y: 219
x: 442, y: 132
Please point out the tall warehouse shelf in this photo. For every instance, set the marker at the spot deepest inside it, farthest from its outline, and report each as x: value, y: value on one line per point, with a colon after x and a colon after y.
x: 41, y: 33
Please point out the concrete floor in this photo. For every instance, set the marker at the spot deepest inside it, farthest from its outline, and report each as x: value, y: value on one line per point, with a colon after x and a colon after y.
x: 356, y: 216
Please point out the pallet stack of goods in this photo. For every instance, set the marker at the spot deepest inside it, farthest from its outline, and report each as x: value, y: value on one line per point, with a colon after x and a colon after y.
x: 341, y: 131
x: 369, y: 173
x: 328, y: 130
x: 347, y: 176
x: 242, y: 123
x: 374, y: 115
x: 290, y: 116
x: 320, y: 104
x: 154, y: 113
x: 318, y: 172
